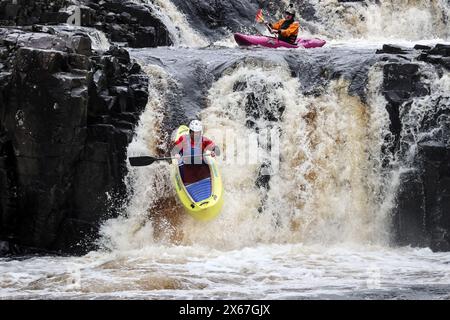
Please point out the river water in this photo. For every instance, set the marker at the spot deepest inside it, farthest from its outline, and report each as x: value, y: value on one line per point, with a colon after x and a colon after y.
x: 289, y: 271
x: 320, y: 227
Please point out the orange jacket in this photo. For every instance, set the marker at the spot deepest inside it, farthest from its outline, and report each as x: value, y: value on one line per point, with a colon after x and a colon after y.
x: 291, y: 31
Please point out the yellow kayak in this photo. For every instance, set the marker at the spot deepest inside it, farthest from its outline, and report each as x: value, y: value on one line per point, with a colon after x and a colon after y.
x: 202, y: 196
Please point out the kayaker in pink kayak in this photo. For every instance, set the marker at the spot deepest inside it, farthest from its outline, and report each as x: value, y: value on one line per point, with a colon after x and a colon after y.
x: 287, y: 28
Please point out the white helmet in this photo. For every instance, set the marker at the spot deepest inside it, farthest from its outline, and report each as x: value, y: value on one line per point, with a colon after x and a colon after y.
x: 196, y: 126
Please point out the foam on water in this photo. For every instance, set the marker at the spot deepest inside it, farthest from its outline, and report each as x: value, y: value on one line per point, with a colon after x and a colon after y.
x: 260, y: 272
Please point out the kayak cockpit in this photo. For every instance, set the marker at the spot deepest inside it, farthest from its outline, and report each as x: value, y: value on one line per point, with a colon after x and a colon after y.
x: 197, y: 180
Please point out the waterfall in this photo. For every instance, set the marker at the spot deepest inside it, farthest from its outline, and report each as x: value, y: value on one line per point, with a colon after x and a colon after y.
x: 383, y: 20
x: 323, y: 172
x: 148, y: 186
x: 180, y: 30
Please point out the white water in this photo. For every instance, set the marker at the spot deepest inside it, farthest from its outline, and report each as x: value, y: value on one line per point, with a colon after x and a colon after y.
x: 320, y: 231
x: 380, y: 21
x: 182, y: 34
x: 422, y: 108
x: 99, y: 40
x: 148, y: 185
x: 258, y: 272
x: 325, y: 191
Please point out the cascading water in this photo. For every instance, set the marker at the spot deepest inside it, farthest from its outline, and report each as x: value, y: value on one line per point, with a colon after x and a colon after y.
x: 333, y: 145
x: 309, y: 181
x: 136, y: 228
x: 180, y: 31
x: 379, y: 20
x: 99, y: 40
x: 334, y: 138
x: 418, y: 115
x: 317, y: 145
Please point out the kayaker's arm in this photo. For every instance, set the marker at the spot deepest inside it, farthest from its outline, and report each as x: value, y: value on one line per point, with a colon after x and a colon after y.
x: 209, y: 145
x: 274, y: 28
x: 277, y: 25
x: 178, y: 147
x: 272, y: 31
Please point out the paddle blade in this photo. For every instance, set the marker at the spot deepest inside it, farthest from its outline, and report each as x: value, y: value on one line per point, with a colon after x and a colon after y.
x: 260, y: 16
x: 141, y: 161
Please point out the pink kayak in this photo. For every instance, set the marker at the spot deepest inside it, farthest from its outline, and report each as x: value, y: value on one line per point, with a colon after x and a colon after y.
x: 271, y: 42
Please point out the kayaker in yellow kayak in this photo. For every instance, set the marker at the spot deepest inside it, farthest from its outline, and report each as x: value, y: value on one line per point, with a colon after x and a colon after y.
x: 195, y: 176
x: 287, y: 28
x: 197, y: 182
x: 192, y: 147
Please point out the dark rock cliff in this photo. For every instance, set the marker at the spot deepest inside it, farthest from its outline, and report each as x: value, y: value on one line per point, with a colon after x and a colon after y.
x: 67, y: 115
x: 422, y: 213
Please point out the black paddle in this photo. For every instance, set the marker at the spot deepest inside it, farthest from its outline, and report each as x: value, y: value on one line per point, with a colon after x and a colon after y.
x: 147, y: 160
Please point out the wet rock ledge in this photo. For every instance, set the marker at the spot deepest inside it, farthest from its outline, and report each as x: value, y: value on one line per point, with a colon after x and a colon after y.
x: 122, y: 21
